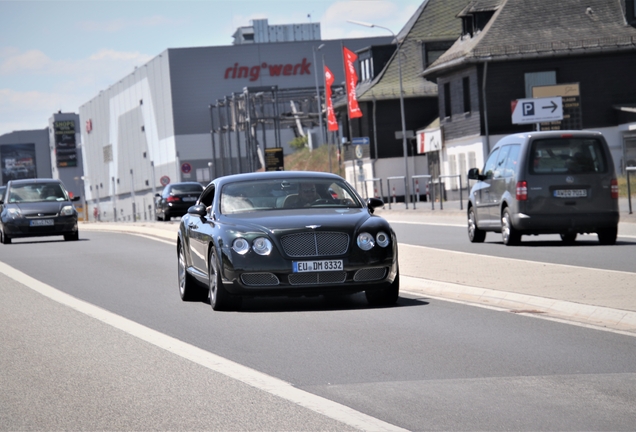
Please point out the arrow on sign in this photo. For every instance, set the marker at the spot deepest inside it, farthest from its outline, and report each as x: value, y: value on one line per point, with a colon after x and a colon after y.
x: 553, y: 106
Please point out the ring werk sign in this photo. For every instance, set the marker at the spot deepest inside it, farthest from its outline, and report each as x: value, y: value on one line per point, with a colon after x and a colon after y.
x: 254, y: 72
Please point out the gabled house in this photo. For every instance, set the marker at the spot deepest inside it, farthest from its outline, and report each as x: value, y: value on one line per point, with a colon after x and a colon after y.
x: 426, y: 36
x: 582, y: 51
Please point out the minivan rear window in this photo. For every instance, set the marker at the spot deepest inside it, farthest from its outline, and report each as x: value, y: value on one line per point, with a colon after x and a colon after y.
x: 567, y: 156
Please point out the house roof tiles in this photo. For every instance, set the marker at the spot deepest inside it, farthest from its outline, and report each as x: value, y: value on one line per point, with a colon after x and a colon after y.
x: 522, y: 29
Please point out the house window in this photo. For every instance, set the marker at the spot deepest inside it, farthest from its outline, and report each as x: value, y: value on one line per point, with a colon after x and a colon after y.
x: 431, y: 51
x: 447, y: 100
x: 466, y: 88
x: 536, y: 79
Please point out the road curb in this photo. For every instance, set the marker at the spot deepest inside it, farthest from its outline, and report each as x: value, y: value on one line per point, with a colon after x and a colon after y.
x: 597, y: 316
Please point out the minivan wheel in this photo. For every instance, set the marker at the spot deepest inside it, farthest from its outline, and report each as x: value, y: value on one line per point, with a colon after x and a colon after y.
x: 568, y: 238
x: 475, y: 235
x: 607, y: 236
x: 509, y: 235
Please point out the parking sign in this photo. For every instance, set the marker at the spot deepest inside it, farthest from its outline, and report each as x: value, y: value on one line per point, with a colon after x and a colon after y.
x: 536, y: 110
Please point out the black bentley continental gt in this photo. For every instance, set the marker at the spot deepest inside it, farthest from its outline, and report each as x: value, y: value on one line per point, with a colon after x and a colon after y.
x: 285, y: 233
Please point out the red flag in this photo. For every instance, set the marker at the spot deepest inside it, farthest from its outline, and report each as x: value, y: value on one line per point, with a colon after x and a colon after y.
x: 332, y: 124
x: 352, y: 81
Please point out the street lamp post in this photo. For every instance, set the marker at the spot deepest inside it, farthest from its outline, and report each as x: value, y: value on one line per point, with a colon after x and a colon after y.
x: 322, y: 137
x: 404, y: 146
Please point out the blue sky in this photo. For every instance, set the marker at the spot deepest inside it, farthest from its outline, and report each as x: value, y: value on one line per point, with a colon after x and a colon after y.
x: 57, y: 55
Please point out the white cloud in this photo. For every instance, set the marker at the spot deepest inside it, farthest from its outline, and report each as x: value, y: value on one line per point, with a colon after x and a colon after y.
x: 391, y: 14
x: 81, y: 80
x: 120, y: 24
x: 29, y: 61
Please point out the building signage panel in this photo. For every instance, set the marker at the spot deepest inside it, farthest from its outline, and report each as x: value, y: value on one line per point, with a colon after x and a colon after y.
x: 537, y: 110
x: 572, y: 114
x: 429, y: 140
x: 274, y: 159
x: 64, y: 134
x: 253, y: 73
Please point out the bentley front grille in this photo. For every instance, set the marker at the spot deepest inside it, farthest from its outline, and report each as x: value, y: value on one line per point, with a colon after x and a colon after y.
x: 315, y: 244
x: 259, y: 279
x: 317, y: 278
x: 370, y: 274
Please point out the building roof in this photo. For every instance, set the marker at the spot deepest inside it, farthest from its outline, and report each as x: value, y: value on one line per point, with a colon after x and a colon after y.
x: 523, y: 29
x: 435, y: 20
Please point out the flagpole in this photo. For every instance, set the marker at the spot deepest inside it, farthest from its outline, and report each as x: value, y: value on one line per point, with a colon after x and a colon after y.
x: 324, y: 77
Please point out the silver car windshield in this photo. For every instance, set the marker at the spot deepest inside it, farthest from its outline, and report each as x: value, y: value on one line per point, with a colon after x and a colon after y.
x: 279, y: 194
x: 37, y: 192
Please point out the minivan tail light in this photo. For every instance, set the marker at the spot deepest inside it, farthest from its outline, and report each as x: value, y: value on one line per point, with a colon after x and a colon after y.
x: 522, y: 191
x: 614, y: 186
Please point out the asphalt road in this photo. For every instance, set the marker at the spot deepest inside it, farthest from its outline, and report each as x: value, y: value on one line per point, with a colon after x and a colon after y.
x: 425, y: 364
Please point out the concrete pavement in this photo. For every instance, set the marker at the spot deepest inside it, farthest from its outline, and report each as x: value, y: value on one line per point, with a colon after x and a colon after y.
x: 538, y: 289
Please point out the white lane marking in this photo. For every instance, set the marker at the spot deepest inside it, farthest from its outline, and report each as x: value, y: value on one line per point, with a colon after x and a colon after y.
x: 464, y: 226
x: 423, y: 293
x: 204, y: 358
x: 427, y: 223
x: 518, y: 259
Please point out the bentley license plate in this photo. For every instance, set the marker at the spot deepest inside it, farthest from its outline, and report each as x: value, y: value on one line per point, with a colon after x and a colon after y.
x: 570, y: 193
x: 41, y: 222
x: 316, y: 266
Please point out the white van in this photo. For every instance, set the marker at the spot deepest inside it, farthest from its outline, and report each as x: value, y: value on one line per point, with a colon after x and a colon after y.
x: 560, y: 182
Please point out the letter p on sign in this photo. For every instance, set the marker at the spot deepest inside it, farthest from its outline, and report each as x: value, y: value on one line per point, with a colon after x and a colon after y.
x: 528, y: 108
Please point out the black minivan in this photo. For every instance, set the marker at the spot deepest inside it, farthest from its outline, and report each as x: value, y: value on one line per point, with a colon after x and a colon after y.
x: 560, y: 182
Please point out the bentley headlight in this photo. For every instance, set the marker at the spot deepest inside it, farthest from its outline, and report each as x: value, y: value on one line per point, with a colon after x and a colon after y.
x: 383, y: 239
x: 365, y: 241
x: 240, y: 246
x: 262, y: 246
x: 67, y: 211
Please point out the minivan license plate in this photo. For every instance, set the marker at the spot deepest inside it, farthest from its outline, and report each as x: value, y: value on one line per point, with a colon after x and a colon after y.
x: 315, y: 266
x: 570, y: 193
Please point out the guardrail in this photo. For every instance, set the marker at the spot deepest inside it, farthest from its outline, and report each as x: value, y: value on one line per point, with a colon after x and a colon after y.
x: 388, y: 185
x: 628, y: 170
x: 441, y: 197
x: 375, y: 190
x: 416, y: 190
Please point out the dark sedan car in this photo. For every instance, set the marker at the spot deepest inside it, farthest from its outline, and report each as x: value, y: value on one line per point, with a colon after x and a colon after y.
x: 284, y: 233
x: 36, y: 208
x: 175, y: 199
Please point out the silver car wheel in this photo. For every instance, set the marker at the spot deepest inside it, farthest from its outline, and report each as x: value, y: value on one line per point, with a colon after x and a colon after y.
x: 509, y: 235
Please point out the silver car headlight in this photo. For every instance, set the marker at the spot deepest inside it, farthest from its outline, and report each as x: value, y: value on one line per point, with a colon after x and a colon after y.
x: 67, y: 211
x: 240, y: 246
x: 365, y: 241
x: 262, y: 246
x: 383, y: 239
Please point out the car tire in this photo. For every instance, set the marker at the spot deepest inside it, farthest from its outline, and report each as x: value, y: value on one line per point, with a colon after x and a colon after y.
x: 5, y: 238
x: 509, y: 235
x: 386, y: 296
x: 220, y: 298
x: 188, y: 289
x: 71, y: 237
x: 475, y: 235
x: 568, y: 238
x: 607, y: 236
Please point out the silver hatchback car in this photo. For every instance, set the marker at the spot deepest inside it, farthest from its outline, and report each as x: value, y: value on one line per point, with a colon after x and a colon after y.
x: 560, y: 182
